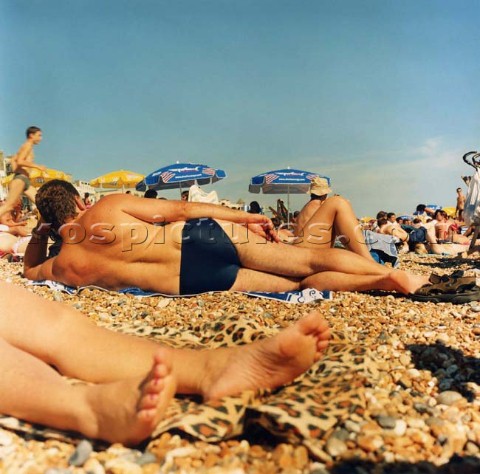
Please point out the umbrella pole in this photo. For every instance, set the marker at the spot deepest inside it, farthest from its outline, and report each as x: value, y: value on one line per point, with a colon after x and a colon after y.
x: 288, y: 205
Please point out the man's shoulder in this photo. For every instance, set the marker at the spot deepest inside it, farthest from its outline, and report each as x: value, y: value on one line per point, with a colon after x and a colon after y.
x: 105, y: 208
x: 116, y: 197
x: 107, y: 202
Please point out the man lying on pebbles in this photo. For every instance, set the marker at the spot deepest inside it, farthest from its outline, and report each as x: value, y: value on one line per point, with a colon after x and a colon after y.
x: 132, y: 379
x: 118, y: 243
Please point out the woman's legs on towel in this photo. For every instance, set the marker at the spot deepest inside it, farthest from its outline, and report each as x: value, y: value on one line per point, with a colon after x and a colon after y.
x: 46, y: 333
x: 332, y: 218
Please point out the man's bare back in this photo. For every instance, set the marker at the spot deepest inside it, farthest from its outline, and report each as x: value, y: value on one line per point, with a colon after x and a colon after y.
x: 126, y: 251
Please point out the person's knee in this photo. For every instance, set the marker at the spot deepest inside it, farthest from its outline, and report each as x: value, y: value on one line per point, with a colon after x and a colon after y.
x: 339, y: 202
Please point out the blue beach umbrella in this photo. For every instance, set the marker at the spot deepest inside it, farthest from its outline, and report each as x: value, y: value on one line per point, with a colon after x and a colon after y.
x: 285, y: 181
x: 180, y: 175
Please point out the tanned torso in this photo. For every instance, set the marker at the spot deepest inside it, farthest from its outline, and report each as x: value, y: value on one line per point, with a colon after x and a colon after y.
x: 27, y: 148
x: 461, y: 202
x: 112, y: 249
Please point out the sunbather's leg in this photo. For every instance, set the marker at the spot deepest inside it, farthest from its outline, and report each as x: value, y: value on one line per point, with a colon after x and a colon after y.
x: 66, y: 339
x: 460, y: 239
x: 7, y: 242
x: 293, y: 261
x: 396, y: 280
x: 432, y: 244
x: 392, y: 280
x: 334, y: 218
x: 126, y: 411
x: 15, y: 191
x: 253, y: 280
x: 31, y: 192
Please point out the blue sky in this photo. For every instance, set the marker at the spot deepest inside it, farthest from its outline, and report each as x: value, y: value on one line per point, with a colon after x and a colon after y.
x: 381, y: 96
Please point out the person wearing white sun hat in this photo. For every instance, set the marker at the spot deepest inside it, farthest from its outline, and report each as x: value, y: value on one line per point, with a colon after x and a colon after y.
x: 325, y: 218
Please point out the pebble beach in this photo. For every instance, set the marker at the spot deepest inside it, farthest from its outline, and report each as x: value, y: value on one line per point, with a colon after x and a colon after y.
x: 421, y: 404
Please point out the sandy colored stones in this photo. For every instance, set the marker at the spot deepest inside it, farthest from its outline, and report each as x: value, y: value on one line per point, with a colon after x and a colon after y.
x: 449, y: 398
x: 370, y: 443
x: 335, y: 447
x: 387, y: 422
x: 416, y: 353
x: 93, y: 466
x: 82, y: 452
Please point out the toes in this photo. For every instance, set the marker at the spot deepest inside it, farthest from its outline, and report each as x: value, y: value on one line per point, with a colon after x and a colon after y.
x: 323, y: 344
x: 313, y: 322
x: 324, y: 335
x: 148, y: 401
x: 163, y: 358
x: 147, y: 415
x: 160, y: 370
x: 153, y: 386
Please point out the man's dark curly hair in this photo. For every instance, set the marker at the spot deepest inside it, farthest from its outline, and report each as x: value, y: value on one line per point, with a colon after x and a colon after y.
x: 55, y: 201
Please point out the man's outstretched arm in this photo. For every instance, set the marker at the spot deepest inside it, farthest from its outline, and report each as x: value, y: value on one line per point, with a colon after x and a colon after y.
x: 159, y: 210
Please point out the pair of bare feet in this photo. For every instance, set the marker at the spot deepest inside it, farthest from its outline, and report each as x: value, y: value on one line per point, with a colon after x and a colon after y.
x: 127, y: 411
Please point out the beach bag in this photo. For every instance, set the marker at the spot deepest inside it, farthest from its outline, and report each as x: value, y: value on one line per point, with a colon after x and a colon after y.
x: 418, y: 236
x: 471, y: 213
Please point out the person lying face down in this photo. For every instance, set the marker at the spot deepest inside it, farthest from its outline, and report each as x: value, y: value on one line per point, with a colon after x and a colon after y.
x: 201, y: 247
x: 131, y: 380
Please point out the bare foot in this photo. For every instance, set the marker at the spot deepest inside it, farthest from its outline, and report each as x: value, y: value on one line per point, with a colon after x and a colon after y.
x: 406, y: 283
x: 128, y: 411
x: 268, y: 363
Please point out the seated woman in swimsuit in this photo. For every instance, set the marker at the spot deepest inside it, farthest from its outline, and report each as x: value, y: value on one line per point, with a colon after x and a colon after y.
x: 446, y: 229
x: 131, y: 380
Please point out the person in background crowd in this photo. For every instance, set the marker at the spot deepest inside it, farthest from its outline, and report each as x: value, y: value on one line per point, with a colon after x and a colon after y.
x: 461, y: 198
x: 254, y: 208
x: 21, y: 163
x: 150, y: 194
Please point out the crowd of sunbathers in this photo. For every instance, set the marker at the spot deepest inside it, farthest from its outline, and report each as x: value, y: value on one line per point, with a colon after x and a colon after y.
x: 427, y: 230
